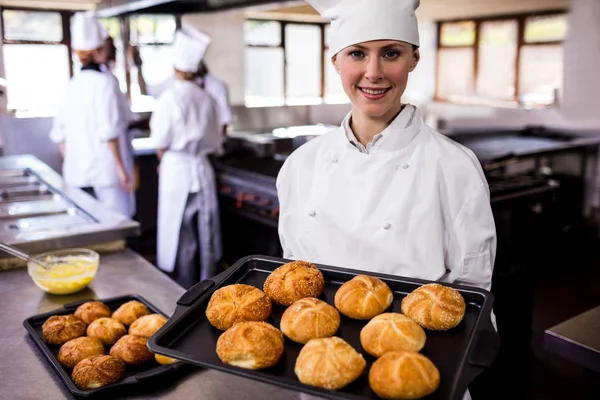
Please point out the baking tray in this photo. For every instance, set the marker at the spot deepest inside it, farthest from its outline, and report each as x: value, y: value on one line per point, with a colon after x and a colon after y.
x: 460, y: 354
x: 133, y: 375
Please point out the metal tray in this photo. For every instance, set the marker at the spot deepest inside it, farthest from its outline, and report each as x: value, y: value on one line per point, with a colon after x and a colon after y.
x: 460, y: 354
x: 133, y: 375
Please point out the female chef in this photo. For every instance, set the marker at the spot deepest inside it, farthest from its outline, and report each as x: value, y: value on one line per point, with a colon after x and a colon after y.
x: 87, y: 128
x: 185, y: 129
x: 384, y: 192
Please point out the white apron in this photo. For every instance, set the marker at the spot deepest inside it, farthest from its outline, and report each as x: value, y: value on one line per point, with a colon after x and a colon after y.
x: 177, y: 172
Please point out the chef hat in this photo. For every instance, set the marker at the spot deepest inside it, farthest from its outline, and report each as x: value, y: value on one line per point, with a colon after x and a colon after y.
x: 189, y: 48
x: 87, y: 32
x: 357, y: 21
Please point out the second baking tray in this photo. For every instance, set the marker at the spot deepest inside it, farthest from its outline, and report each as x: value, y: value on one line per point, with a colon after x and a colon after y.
x: 460, y: 354
x: 134, y: 374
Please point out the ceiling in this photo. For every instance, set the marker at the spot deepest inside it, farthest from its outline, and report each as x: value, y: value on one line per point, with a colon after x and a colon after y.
x: 434, y: 9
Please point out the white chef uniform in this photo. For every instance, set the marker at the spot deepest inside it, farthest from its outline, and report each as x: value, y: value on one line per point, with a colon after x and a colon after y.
x: 412, y: 203
x: 213, y: 86
x: 88, y: 118
x: 185, y: 123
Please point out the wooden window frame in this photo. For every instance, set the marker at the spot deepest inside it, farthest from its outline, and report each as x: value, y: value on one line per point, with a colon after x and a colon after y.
x: 521, y: 21
x: 66, y: 30
x: 282, y: 25
x: 66, y: 15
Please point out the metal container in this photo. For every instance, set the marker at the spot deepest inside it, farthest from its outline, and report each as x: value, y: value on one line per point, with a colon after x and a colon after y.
x: 39, y: 212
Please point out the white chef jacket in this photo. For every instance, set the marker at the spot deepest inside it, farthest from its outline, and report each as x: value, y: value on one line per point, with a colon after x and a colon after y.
x: 185, y: 121
x: 87, y: 120
x: 416, y: 205
x: 214, y: 87
x: 218, y: 91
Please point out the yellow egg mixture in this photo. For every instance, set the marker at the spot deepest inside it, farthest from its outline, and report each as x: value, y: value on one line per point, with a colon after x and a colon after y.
x: 66, y: 278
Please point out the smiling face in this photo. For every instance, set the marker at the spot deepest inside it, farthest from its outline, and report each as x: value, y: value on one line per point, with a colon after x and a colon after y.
x: 374, y: 75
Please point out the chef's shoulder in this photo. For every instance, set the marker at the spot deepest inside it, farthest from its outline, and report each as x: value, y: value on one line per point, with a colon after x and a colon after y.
x: 457, y: 163
x: 305, y: 159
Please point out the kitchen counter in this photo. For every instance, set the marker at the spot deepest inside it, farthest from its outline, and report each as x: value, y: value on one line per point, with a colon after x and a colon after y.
x: 29, y: 376
x: 577, y: 339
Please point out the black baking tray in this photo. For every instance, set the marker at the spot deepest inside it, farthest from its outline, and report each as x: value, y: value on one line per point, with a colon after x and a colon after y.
x: 460, y: 354
x: 133, y: 375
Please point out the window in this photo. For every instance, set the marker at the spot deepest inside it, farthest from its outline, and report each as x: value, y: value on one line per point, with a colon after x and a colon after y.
x: 288, y: 63
x: 36, y: 59
x: 505, y: 59
x: 153, y: 35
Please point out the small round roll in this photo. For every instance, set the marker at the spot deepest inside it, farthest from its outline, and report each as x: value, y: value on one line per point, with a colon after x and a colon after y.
x: 403, y: 375
x: 59, y: 329
x: 91, y: 311
x: 294, y: 281
x: 251, y: 345
x: 130, y: 311
x: 98, y: 371
x: 363, y: 297
x: 329, y: 363
x: 78, y: 349
x: 147, y: 325
x: 435, y: 307
x: 107, y: 330
x: 132, y: 350
x: 237, y: 303
x: 309, y: 318
x: 391, y: 331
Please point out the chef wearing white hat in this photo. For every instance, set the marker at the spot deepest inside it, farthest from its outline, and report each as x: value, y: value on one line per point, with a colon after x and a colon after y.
x: 87, y: 126
x: 185, y: 129
x: 384, y: 192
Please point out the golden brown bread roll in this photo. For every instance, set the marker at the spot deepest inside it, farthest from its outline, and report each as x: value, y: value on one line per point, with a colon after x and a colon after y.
x: 164, y: 360
x: 363, y: 297
x: 329, y: 363
x: 59, y: 329
x: 132, y: 350
x: 435, y: 307
x: 237, y: 303
x: 97, y: 371
x: 75, y: 350
x: 309, y: 318
x: 294, y: 281
x: 130, y: 311
x: 391, y: 331
x: 107, y: 330
x: 251, y: 345
x: 403, y: 375
x: 91, y: 311
x: 147, y: 325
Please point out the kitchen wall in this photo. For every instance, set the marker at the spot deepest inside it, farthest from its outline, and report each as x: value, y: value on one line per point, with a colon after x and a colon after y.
x: 225, y: 56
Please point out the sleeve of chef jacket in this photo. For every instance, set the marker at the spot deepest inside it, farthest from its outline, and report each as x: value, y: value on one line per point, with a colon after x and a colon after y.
x: 472, y: 241
x: 107, y: 111
x: 57, y: 134
x: 283, y: 196
x: 160, y: 124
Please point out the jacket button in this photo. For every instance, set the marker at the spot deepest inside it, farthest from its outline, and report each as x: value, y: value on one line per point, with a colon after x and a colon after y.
x: 405, y: 166
x: 312, y: 213
x: 335, y: 160
x: 387, y: 226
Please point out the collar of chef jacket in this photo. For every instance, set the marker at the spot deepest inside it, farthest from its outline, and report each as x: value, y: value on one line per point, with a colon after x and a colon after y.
x: 396, y: 136
x: 91, y: 66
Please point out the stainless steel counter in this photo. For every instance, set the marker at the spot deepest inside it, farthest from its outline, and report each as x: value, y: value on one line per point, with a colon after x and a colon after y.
x: 39, y: 212
x: 25, y: 374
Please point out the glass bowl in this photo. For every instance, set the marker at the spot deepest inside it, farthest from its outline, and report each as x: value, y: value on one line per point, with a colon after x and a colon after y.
x: 71, y: 270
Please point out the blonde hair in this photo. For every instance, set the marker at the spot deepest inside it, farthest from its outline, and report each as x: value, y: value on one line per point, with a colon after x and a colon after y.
x: 85, y: 56
x: 185, y: 76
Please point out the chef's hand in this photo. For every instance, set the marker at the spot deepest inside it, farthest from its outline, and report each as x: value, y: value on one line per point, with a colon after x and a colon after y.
x: 124, y: 180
